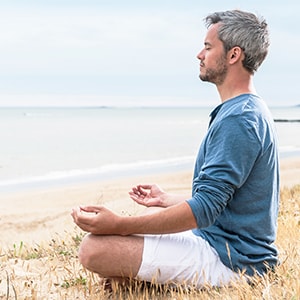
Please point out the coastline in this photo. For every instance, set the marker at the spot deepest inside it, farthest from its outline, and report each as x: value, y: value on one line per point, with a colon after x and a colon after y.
x: 39, y: 215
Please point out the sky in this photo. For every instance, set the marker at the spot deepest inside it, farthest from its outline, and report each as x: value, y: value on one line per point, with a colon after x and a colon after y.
x: 119, y: 53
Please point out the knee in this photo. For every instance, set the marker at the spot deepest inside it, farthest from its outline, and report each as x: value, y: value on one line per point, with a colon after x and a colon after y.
x: 86, y: 251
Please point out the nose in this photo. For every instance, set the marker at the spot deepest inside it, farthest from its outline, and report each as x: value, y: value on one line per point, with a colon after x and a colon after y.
x: 200, y: 55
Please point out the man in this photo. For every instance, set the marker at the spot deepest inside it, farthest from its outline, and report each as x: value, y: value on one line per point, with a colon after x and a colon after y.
x: 228, y: 225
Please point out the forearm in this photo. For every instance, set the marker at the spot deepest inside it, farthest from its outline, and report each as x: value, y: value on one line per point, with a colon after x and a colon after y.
x: 175, y: 218
x: 173, y: 199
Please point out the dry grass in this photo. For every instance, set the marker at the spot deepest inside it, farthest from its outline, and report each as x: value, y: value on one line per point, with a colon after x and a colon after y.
x: 51, y: 270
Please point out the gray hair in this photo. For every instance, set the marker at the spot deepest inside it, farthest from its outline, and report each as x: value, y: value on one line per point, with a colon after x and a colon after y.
x: 245, y: 30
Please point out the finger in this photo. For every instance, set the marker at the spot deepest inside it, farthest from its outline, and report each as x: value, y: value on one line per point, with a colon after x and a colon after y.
x: 145, y: 186
x: 80, y: 218
x: 139, y: 200
x: 84, y: 227
x: 91, y: 208
x: 135, y: 190
x: 75, y: 212
x: 134, y: 196
x: 142, y: 188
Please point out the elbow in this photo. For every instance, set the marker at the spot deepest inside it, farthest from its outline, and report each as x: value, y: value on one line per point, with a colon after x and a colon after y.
x: 205, y: 211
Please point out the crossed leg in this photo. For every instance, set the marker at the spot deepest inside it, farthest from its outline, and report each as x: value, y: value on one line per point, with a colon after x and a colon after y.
x: 112, y: 256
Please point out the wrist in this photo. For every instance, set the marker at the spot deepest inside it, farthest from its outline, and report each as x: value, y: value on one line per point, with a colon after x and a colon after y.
x: 123, y: 225
x: 173, y: 199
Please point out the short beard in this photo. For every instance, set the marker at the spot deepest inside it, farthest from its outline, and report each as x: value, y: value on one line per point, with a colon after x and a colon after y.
x: 217, y: 75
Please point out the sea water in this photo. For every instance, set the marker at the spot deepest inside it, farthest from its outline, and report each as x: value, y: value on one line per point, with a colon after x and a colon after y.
x: 50, y: 146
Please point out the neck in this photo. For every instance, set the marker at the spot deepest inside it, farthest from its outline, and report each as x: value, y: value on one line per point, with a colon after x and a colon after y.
x: 236, y: 85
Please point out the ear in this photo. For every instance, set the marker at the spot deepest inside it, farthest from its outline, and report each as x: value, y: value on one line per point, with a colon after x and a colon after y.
x: 235, y: 54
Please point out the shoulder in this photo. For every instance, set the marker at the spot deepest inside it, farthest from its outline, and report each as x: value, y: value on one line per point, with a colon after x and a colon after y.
x: 241, y: 105
x: 247, y: 109
x: 245, y: 117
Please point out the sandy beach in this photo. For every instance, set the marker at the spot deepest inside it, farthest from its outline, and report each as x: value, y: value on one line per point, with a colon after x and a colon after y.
x: 39, y: 215
x: 35, y: 216
x: 38, y: 250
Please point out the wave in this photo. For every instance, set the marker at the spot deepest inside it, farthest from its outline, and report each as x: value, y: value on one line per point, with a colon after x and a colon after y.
x: 111, y: 171
x: 289, y: 151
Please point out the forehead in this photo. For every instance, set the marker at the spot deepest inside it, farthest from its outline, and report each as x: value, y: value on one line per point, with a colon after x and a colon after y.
x: 212, y: 34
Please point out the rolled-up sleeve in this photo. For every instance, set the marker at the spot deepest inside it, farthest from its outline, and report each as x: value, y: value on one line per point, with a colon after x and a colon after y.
x: 225, y: 160
x: 209, y: 200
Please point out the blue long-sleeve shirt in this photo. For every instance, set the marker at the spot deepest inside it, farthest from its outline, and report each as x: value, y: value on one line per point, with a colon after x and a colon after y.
x: 236, y: 185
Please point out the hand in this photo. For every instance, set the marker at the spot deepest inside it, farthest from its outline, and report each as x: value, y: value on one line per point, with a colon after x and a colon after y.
x: 95, y: 219
x: 148, y: 195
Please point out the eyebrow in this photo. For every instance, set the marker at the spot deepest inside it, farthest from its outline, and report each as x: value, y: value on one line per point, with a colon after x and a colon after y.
x: 207, y: 44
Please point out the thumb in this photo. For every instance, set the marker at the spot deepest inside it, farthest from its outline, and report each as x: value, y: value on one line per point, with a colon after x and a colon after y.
x: 91, y: 208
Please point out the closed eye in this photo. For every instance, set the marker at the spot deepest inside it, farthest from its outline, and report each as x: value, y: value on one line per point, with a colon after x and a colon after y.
x: 207, y: 46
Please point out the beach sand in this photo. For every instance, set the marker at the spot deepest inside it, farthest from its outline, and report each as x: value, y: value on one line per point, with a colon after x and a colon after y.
x: 32, y: 217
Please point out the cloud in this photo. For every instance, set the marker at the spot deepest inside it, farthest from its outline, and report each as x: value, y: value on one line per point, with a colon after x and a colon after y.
x: 129, y: 49
x: 39, y: 39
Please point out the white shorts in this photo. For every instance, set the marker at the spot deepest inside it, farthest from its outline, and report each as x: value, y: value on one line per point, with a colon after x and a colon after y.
x: 182, y: 258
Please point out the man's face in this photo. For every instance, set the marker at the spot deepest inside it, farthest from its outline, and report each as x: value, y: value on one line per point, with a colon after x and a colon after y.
x: 213, y: 62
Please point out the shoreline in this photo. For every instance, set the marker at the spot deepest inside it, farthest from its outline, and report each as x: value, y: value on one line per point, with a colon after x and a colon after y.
x: 38, y: 215
x: 35, y: 216
x: 117, y: 172
x: 114, y: 172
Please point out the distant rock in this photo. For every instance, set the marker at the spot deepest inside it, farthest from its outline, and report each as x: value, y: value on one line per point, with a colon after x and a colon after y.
x: 287, y: 120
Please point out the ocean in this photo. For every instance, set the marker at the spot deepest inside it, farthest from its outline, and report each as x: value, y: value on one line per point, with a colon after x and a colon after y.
x: 42, y: 147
